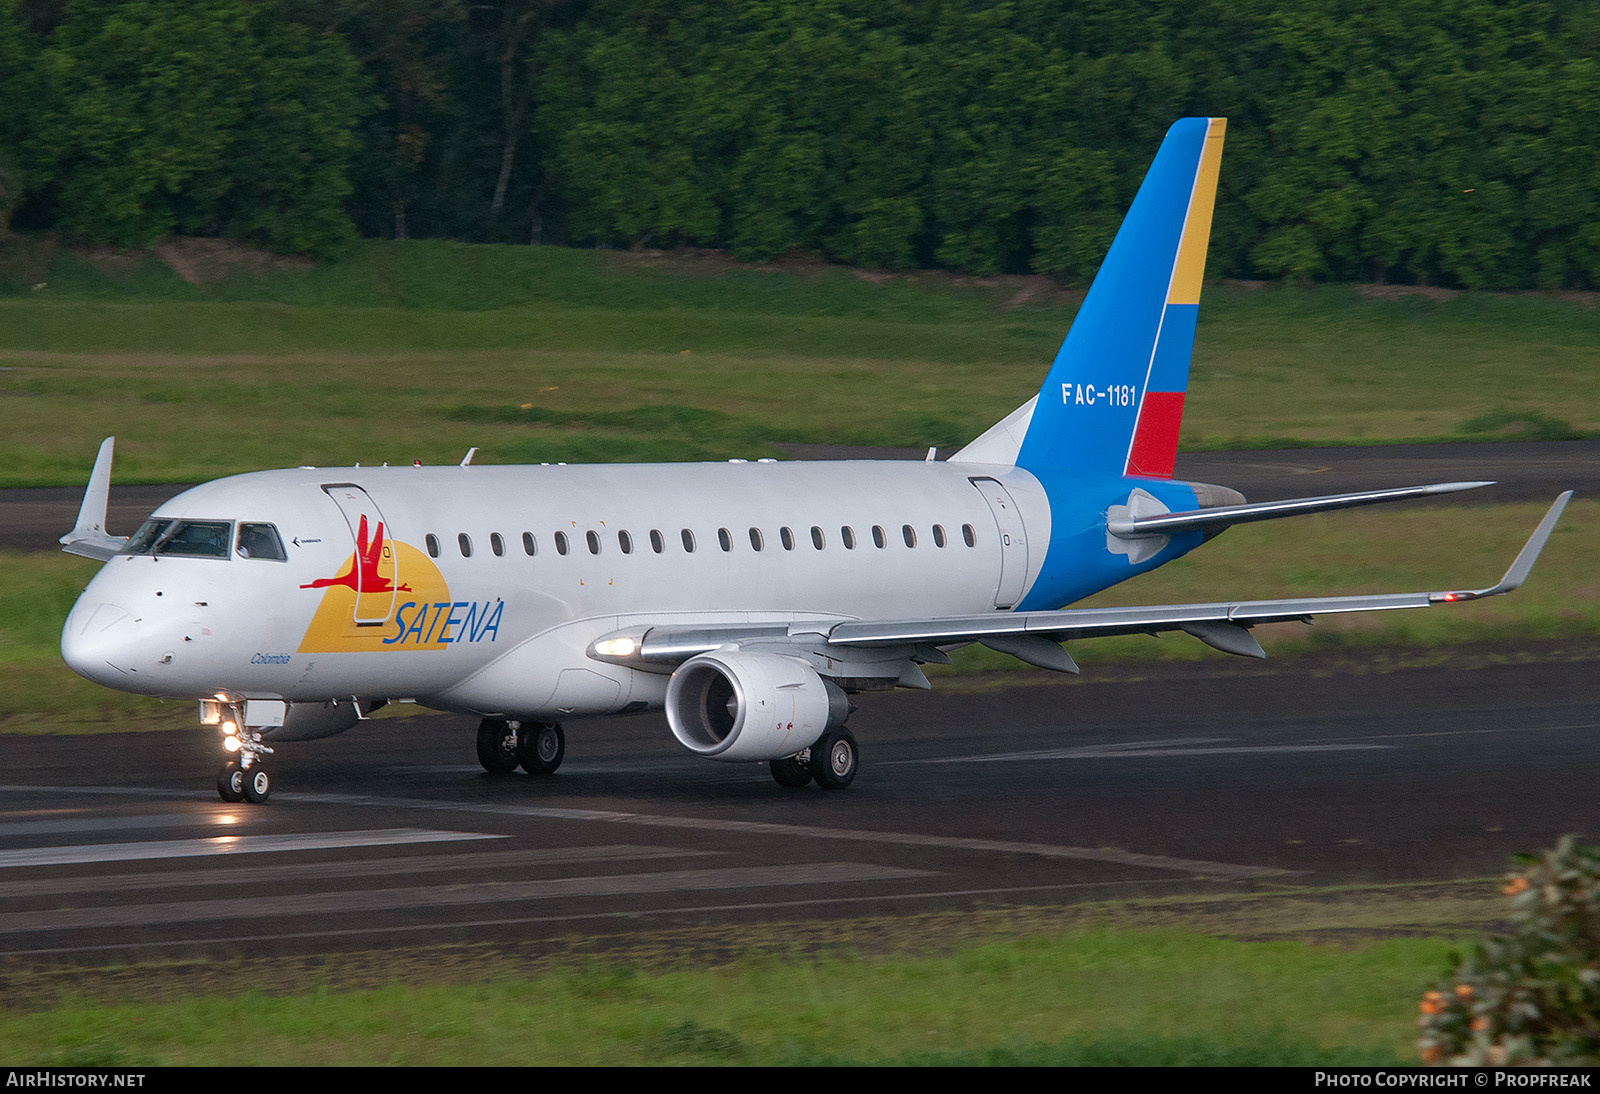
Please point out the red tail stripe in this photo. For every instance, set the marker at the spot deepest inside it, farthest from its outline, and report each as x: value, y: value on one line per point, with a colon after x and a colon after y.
x: 1155, y: 437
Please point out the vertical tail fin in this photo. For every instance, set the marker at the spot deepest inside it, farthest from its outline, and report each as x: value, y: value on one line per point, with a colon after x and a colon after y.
x: 1113, y: 400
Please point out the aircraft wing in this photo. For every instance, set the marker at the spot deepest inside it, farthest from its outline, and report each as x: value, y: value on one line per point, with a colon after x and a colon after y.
x: 1035, y: 637
x: 89, y: 537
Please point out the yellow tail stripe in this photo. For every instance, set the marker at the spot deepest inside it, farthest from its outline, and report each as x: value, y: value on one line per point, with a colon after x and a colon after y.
x: 1191, y: 266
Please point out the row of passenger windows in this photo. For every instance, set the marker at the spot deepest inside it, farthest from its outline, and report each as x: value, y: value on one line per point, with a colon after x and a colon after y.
x: 725, y: 539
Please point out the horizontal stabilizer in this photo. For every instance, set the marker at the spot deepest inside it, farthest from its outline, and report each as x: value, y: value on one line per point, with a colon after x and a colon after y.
x: 1212, y: 521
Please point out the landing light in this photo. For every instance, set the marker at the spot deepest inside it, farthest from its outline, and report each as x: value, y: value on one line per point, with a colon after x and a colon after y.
x: 616, y: 647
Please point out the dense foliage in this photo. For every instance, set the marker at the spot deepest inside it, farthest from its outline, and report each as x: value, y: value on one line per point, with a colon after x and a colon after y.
x: 1532, y: 997
x: 1435, y: 141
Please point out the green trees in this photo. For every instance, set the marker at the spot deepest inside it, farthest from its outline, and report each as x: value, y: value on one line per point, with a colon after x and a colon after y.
x: 1436, y: 141
x: 147, y: 117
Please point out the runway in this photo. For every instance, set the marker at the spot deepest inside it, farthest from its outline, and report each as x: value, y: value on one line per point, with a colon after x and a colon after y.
x: 1215, y: 777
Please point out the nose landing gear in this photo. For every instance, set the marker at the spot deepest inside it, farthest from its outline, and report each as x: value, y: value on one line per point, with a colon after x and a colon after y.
x: 244, y: 779
x: 234, y: 784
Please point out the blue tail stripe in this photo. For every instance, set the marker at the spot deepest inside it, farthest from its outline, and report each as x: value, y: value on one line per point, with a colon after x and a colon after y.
x: 1170, y: 369
x: 1111, y: 342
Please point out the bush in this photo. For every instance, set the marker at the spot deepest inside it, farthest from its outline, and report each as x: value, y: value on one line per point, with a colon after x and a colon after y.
x: 1532, y: 998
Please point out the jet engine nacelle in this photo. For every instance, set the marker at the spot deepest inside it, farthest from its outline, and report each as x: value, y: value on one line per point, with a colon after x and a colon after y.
x: 748, y: 705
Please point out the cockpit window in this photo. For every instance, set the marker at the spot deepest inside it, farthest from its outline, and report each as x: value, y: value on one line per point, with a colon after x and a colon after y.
x: 196, y: 539
x: 261, y: 541
x: 140, y: 542
x: 185, y: 538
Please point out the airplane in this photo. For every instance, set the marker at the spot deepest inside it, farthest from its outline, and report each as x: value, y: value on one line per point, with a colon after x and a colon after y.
x: 751, y: 601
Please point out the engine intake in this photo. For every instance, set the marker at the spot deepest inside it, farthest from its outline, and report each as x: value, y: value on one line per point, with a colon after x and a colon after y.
x: 749, y: 705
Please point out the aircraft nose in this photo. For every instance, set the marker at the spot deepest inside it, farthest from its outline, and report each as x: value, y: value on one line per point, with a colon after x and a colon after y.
x: 94, y: 642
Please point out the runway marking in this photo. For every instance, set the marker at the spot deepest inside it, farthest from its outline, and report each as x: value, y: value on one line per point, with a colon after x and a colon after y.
x: 224, y: 845
x: 1118, y: 750
x: 1113, y: 855
x: 1478, y: 732
x: 366, y: 901
x: 406, y: 866
x: 121, y: 822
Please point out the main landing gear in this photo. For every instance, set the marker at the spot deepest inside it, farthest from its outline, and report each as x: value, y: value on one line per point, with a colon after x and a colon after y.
x: 537, y: 747
x: 832, y: 762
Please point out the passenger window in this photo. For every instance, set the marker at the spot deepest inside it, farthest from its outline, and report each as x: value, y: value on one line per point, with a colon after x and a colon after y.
x: 657, y: 543
x: 909, y: 534
x: 817, y: 539
x: 530, y: 546
x: 724, y: 539
x: 625, y: 541
x: 755, y: 539
x: 847, y: 535
x: 688, y: 541
x: 261, y: 541
x: 878, y: 538
x: 433, y: 545
x: 561, y: 543
x: 594, y: 542
x: 969, y: 534
x: 938, y: 535
x: 466, y: 545
x: 497, y: 544
x: 786, y: 538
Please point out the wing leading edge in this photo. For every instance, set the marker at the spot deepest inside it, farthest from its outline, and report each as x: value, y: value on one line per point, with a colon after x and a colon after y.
x: 1034, y: 637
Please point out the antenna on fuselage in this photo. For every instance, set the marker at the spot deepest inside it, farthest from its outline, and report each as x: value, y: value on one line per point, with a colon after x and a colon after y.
x: 467, y: 459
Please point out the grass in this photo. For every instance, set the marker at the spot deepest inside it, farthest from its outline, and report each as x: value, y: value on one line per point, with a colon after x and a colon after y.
x: 1082, y: 997
x: 424, y: 349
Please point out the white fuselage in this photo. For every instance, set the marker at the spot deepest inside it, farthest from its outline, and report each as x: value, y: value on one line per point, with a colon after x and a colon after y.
x: 475, y: 606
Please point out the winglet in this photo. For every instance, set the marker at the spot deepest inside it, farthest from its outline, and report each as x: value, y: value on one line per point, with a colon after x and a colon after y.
x: 88, y: 537
x: 1518, y: 573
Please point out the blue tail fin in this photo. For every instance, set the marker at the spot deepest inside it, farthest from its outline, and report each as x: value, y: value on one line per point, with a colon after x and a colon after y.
x: 1113, y: 400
